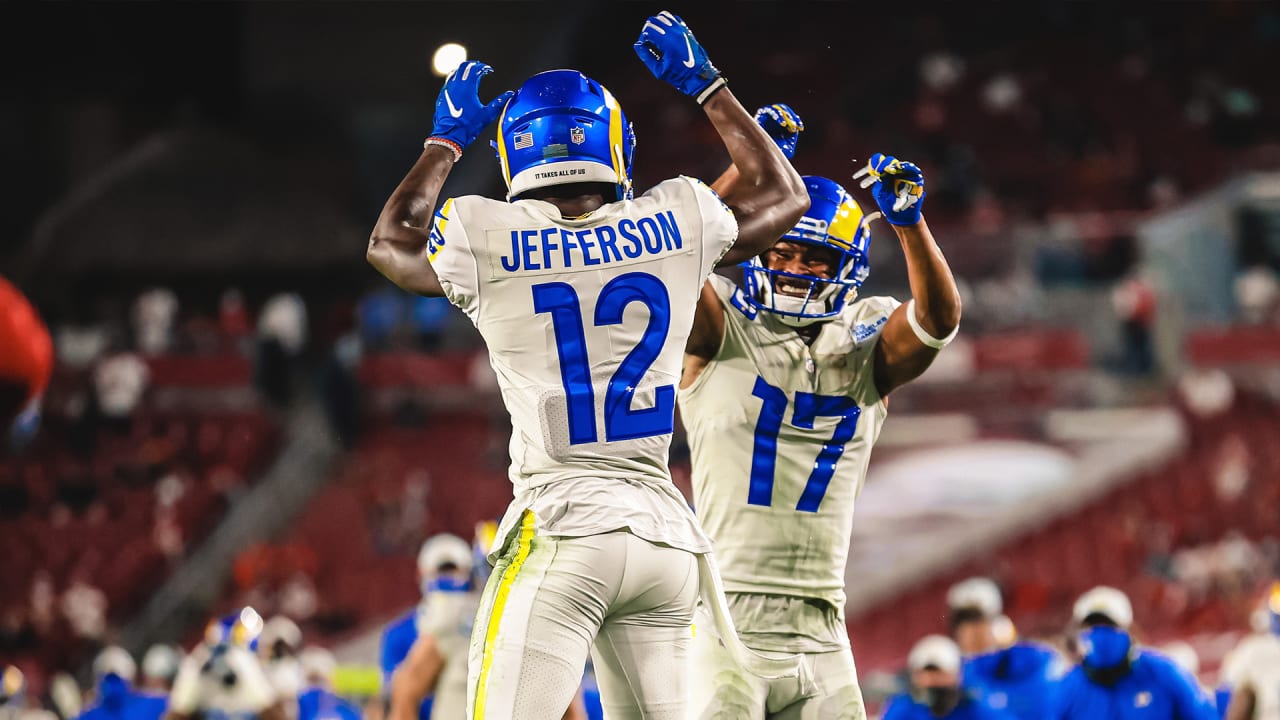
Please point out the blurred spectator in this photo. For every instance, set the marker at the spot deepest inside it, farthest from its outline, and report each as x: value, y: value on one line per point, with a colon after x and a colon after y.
x: 43, y: 597
x: 298, y: 598
x: 284, y: 319
x: 85, y: 608
x: 378, y: 315
x: 340, y: 387
x: 79, y: 344
x: 1207, y: 392
x: 1257, y: 294
x: 160, y: 667
x: 119, y: 381
x: 1134, y: 301
x: 934, y: 664
x: 154, y: 313
x: 318, y: 701
x: 1231, y: 469
x: 282, y: 334
x: 431, y: 317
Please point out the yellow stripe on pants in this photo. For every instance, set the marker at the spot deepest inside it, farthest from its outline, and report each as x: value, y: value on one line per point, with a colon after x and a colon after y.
x: 523, y: 544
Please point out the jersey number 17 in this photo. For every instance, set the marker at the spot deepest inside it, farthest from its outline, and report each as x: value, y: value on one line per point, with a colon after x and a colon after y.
x: 808, y: 408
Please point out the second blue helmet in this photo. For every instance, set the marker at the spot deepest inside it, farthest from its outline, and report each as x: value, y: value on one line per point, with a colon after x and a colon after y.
x: 563, y: 127
x: 834, y: 220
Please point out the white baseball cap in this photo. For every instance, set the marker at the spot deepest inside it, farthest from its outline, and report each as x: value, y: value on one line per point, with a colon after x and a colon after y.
x: 280, y: 629
x: 937, y: 651
x: 978, y: 593
x: 1106, y: 601
x: 115, y: 660
x: 161, y: 661
x: 443, y: 549
x: 317, y: 664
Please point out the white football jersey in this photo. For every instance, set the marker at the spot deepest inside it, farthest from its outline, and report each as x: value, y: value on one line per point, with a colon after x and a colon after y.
x: 448, y: 616
x: 586, y: 321
x: 780, y: 434
x: 221, y: 683
x: 1255, y: 664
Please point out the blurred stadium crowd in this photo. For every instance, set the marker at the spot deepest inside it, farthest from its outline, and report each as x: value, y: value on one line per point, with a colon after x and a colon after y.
x: 192, y: 232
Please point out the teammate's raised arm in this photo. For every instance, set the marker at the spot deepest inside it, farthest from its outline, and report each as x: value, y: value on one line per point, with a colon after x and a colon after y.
x: 398, y: 245
x: 769, y: 196
x: 918, y: 330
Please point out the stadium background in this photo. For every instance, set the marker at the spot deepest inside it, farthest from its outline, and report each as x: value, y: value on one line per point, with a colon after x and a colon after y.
x: 243, y: 412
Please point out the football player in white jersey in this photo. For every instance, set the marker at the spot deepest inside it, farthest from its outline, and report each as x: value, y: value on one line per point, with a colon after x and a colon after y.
x: 585, y: 297
x: 437, y: 662
x: 785, y: 387
x: 1252, y: 669
x: 222, y: 678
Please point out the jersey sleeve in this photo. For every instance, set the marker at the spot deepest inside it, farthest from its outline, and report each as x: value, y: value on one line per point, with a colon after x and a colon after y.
x: 870, y: 316
x: 719, y: 226
x: 449, y: 252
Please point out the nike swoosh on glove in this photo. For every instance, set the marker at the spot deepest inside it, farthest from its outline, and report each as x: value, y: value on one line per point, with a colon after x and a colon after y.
x: 460, y: 116
x: 668, y: 48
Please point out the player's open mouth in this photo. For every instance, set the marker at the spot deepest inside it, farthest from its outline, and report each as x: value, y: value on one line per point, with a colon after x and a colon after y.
x: 792, y: 287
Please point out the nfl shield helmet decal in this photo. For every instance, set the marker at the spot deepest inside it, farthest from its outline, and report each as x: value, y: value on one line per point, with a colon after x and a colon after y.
x: 577, y: 135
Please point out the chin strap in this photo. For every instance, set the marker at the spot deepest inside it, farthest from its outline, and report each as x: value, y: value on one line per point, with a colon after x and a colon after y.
x: 922, y: 334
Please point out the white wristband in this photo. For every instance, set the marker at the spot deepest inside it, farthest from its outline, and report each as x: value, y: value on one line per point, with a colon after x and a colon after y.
x: 710, y: 90
x: 923, y: 335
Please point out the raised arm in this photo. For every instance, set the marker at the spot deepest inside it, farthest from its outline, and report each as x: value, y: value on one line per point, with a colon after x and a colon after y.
x: 398, y: 245
x: 783, y: 126
x: 768, y: 196
x: 415, y: 678
x: 916, y: 331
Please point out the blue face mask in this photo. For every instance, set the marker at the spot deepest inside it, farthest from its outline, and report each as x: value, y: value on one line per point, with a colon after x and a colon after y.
x: 1104, y: 647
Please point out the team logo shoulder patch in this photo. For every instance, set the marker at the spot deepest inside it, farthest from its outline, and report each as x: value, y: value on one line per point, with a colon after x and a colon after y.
x: 435, y: 239
x: 862, y: 331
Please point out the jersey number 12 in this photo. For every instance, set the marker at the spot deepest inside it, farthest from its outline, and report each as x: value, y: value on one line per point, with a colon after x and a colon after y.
x: 621, y: 422
x: 808, y: 408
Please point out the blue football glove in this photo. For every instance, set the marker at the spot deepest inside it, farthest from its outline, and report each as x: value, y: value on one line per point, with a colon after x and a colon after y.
x: 667, y: 47
x: 897, y: 186
x: 460, y: 117
x: 783, y: 125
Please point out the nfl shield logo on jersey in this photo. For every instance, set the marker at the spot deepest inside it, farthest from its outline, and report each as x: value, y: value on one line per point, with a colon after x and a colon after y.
x: 577, y: 135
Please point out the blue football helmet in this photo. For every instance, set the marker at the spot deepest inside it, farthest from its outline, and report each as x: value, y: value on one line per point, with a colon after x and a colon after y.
x: 834, y: 220
x: 563, y: 127
x: 240, y: 628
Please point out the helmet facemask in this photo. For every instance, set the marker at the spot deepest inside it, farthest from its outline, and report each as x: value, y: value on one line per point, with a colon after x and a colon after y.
x: 834, y: 222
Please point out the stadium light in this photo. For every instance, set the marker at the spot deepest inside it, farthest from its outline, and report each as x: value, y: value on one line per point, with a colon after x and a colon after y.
x: 447, y: 57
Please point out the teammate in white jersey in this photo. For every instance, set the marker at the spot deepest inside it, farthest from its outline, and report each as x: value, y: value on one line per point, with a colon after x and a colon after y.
x: 784, y: 391
x: 585, y: 298
x: 1252, y: 669
x: 222, y: 679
